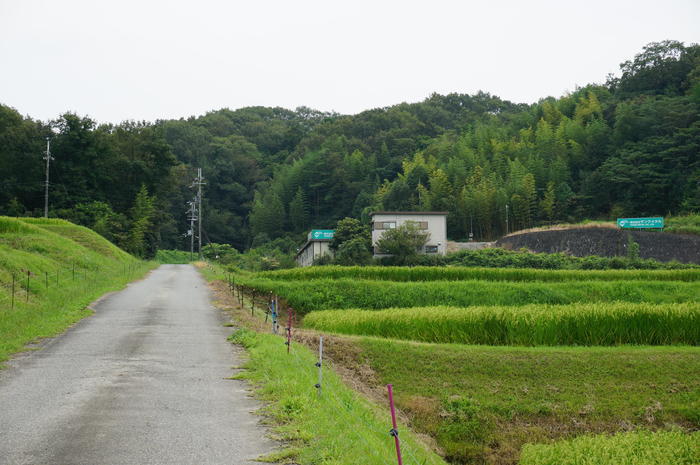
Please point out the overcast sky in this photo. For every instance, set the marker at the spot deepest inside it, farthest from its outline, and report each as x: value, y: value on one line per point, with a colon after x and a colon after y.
x: 154, y: 59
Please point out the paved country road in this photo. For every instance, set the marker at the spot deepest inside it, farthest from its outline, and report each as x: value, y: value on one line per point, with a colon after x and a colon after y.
x: 140, y: 382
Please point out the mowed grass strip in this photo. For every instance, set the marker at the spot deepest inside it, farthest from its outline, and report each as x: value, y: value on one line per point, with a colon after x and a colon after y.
x: 337, y: 427
x: 322, y: 294
x: 601, y: 324
x: 636, y: 448
x: 482, y: 404
x: 434, y: 273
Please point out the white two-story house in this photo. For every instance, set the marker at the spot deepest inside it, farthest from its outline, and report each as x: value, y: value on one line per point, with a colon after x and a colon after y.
x: 434, y: 223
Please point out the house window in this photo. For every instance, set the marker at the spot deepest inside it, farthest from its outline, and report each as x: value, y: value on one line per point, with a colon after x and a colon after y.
x: 380, y: 225
x: 431, y: 249
x: 419, y: 224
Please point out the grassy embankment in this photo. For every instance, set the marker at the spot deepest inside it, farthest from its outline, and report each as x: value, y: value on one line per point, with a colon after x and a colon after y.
x: 688, y: 224
x: 69, y: 267
x: 339, y: 427
x: 482, y: 403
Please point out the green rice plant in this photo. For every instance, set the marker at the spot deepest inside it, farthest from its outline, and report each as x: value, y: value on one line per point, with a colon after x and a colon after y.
x: 432, y: 273
x: 600, y: 324
x: 323, y: 294
x: 636, y: 448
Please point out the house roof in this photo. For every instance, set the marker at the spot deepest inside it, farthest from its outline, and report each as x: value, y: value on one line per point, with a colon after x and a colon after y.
x: 408, y: 213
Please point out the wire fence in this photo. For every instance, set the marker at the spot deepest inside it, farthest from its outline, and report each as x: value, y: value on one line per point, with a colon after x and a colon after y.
x: 24, y: 285
x: 272, y: 307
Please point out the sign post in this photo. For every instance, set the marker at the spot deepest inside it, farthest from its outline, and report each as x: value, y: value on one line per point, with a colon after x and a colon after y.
x: 641, y: 223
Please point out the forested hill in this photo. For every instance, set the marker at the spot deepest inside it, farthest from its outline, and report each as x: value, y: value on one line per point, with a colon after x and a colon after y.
x: 630, y: 146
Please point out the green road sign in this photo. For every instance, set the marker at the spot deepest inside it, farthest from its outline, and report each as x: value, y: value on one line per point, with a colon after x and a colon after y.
x: 634, y: 223
x: 321, y: 234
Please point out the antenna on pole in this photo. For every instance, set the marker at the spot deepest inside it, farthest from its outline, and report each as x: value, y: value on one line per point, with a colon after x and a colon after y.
x: 48, y: 159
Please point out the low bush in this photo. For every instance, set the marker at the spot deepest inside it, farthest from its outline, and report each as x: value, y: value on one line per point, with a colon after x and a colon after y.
x: 688, y: 224
x: 173, y: 257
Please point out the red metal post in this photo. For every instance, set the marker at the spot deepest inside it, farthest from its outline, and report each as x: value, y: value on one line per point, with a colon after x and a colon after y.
x: 394, y: 431
x: 289, y: 327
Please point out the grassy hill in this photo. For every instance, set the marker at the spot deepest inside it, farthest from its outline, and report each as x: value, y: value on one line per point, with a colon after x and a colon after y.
x: 50, y: 270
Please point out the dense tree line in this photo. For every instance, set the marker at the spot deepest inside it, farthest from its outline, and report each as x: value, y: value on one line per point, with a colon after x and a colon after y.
x: 630, y: 146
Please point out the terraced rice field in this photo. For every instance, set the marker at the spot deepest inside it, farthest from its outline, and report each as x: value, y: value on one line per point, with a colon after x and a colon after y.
x: 501, y: 366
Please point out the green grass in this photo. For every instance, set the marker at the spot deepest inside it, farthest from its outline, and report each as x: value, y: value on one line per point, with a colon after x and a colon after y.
x: 597, y: 324
x: 69, y: 267
x: 432, y: 273
x: 638, y: 448
x: 337, y: 428
x: 688, y: 224
x: 483, y: 403
x: 174, y: 257
x: 322, y: 294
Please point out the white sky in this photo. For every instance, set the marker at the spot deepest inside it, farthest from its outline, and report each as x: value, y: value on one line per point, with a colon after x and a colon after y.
x: 150, y: 59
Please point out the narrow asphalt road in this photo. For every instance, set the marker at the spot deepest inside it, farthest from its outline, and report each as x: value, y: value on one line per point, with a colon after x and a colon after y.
x: 143, y: 381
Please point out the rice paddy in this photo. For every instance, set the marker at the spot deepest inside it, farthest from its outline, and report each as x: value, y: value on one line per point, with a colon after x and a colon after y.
x: 432, y: 273
x: 321, y: 294
x: 504, y: 366
x: 600, y: 324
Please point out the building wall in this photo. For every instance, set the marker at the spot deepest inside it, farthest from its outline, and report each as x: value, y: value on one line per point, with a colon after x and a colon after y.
x: 313, y: 250
x: 436, y: 225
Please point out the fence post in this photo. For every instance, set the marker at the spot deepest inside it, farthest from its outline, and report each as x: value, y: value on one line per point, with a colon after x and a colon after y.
x: 394, y: 431
x: 13, y: 291
x: 319, y: 364
x: 289, y: 328
x: 57, y: 272
x: 274, y: 314
x: 28, y: 272
x: 73, y: 271
x: 46, y: 275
